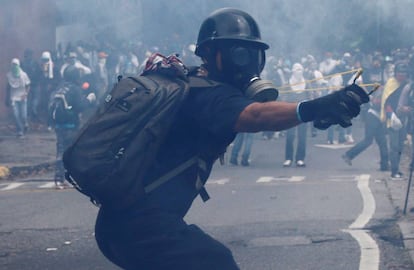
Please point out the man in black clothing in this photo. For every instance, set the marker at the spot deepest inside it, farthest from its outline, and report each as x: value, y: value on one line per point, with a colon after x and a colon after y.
x: 152, y: 233
x: 374, y: 127
x: 65, y: 106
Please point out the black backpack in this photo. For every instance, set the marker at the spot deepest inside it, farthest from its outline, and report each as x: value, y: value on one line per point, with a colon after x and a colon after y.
x: 60, y: 108
x: 114, y: 150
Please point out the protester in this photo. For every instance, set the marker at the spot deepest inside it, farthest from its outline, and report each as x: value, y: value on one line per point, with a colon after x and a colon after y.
x: 101, y: 76
x: 405, y: 112
x: 336, y: 82
x: 72, y: 59
x: 47, y: 83
x: 32, y: 69
x: 297, y: 93
x: 17, y: 90
x: 328, y: 64
x: 389, y: 104
x: 315, y: 81
x: 151, y: 233
x: 374, y: 128
x: 65, y: 106
x: 351, y: 63
x: 245, y: 141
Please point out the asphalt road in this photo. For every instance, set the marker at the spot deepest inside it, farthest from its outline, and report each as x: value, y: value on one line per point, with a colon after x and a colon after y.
x: 326, y: 216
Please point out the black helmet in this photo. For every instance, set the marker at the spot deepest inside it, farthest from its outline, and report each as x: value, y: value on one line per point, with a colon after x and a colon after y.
x: 72, y: 74
x: 229, y: 24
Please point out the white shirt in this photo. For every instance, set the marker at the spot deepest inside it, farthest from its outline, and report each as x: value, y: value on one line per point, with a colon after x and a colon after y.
x: 18, y: 86
x: 327, y: 66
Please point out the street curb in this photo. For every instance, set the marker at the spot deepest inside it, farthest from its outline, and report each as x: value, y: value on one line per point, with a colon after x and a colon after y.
x: 408, y: 235
x: 17, y: 172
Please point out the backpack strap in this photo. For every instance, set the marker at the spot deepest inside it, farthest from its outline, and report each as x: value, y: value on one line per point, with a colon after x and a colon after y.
x: 179, y: 169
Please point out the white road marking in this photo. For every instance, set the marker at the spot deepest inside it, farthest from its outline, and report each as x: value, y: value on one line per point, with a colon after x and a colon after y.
x: 265, y: 179
x: 368, y: 203
x: 370, y: 256
x: 268, y: 179
x: 48, y: 185
x: 334, y: 146
x: 12, y: 186
x: 296, y: 178
x: 218, y: 181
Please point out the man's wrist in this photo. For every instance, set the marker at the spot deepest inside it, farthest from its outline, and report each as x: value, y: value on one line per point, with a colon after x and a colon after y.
x: 305, y: 111
x: 298, y: 111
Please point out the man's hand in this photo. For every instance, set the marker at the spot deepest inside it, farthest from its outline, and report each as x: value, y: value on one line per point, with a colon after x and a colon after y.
x: 336, y: 108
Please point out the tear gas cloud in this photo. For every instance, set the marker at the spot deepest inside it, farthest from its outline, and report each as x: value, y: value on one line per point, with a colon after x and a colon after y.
x: 289, y: 26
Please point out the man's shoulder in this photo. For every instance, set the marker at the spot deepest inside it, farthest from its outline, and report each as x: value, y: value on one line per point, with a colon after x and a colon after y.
x: 213, y: 91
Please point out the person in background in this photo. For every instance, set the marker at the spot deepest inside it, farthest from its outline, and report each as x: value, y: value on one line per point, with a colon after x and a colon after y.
x: 47, y: 83
x: 128, y: 63
x: 86, y: 55
x: 279, y: 73
x: 245, y: 141
x: 298, y: 92
x: 389, y: 114
x: 373, y: 126
x: 17, y: 90
x: 315, y: 81
x: 374, y: 129
x: 335, y: 83
x: 405, y: 111
x: 72, y: 59
x: 328, y: 64
x: 101, y: 76
x: 66, y: 104
x: 388, y: 68
x: 32, y: 69
x: 352, y: 63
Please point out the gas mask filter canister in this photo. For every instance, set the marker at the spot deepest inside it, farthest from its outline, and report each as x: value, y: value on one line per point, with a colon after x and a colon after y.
x: 261, y: 90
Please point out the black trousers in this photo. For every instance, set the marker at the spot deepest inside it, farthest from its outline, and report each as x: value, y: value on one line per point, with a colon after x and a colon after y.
x: 157, y: 240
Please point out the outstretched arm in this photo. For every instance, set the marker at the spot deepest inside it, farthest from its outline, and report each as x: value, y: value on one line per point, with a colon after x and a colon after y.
x: 275, y: 115
x: 336, y: 108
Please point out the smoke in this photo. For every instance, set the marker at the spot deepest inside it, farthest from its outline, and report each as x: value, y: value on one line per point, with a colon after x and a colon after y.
x: 292, y: 27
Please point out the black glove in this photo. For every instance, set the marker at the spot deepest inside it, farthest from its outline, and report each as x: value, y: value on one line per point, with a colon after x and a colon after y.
x: 336, y: 108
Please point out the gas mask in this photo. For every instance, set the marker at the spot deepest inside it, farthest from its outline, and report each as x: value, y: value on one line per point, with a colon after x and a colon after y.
x: 242, y: 66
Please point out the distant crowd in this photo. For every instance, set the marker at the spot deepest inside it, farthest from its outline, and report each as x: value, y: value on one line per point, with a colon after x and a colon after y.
x: 99, y: 66
x: 297, y: 77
